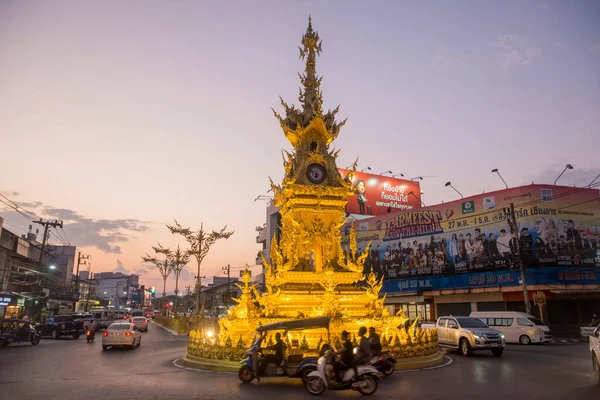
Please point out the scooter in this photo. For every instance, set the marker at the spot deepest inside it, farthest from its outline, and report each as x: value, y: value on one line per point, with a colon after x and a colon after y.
x: 385, y: 362
x: 321, y: 379
x: 90, y: 334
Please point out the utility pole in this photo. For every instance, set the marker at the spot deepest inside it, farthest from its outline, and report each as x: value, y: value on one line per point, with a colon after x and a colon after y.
x: 227, y: 269
x: 46, y: 224
x: 519, y: 258
x: 80, y: 258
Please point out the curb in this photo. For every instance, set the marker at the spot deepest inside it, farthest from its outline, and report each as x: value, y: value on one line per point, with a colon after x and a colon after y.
x: 172, y: 332
x: 403, y: 365
x: 207, y: 364
x: 418, y: 363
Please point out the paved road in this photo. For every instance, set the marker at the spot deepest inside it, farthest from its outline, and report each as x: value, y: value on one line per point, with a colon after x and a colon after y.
x: 72, y: 369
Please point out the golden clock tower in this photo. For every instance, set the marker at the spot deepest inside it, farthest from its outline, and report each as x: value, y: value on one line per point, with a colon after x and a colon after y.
x: 308, y: 265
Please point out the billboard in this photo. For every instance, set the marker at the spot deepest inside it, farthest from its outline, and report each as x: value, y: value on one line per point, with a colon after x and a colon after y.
x: 378, y: 194
x: 557, y: 227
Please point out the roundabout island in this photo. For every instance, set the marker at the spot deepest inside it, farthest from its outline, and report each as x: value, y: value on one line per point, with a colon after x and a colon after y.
x: 309, y: 274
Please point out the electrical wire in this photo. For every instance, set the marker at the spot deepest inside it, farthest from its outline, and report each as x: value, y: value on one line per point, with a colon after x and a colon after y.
x: 17, y: 206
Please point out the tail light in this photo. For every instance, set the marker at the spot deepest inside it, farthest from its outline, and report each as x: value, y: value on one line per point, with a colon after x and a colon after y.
x: 105, y: 334
x: 87, y: 332
x: 127, y: 333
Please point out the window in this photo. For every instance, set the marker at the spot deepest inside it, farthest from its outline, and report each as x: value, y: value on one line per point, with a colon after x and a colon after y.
x: 469, y: 322
x: 485, y: 321
x: 524, y: 322
x: 507, y: 321
x: 119, y: 327
x: 443, y: 322
x: 452, y: 324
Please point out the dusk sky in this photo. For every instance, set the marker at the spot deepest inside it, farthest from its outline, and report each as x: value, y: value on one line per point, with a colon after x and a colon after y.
x: 118, y: 116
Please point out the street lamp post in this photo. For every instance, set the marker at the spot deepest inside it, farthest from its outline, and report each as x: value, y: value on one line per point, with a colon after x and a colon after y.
x: 568, y: 166
x: 498, y: 172
x: 411, y: 193
x: 450, y: 184
x: 592, y: 182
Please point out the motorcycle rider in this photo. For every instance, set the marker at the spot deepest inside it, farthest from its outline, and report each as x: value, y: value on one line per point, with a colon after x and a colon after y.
x: 364, y: 351
x: 345, y: 361
x: 375, y: 342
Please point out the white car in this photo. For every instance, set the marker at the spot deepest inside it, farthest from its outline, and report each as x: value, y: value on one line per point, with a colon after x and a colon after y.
x: 595, y: 349
x: 121, y: 334
x: 141, y: 323
x: 589, y: 330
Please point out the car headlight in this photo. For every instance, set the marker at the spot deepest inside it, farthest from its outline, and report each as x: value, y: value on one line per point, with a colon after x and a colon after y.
x: 539, y: 331
x: 502, y: 335
x: 476, y: 336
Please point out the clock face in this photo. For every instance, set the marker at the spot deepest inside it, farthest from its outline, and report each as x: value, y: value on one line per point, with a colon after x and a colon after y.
x: 316, y: 173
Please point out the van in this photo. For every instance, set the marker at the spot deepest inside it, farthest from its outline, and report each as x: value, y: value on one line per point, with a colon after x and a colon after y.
x: 137, y: 313
x: 517, y: 327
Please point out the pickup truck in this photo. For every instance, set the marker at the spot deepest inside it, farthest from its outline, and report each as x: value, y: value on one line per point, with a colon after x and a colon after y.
x: 469, y: 334
x: 59, y: 325
x: 595, y: 350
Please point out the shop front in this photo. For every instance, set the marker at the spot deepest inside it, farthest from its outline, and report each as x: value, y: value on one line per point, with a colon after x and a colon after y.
x: 413, y: 306
x: 11, y: 306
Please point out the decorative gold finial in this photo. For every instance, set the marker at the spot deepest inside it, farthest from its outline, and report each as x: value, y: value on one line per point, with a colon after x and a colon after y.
x: 310, y: 96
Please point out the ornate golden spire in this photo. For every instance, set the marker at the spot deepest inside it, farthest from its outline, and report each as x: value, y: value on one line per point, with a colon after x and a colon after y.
x: 310, y: 97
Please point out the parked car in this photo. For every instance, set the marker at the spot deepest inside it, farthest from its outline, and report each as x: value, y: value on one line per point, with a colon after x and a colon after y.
x: 469, y: 334
x: 17, y: 331
x: 594, y: 340
x: 517, y: 327
x: 121, y: 334
x: 59, y: 325
x: 141, y: 323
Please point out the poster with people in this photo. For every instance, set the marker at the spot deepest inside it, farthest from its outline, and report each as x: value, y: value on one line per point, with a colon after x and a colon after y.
x: 556, y: 226
x: 380, y: 194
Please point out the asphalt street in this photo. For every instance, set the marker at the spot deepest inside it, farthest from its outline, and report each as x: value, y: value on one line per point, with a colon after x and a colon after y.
x: 73, y: 369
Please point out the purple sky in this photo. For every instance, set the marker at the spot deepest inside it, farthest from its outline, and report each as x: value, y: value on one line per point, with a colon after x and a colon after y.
x: 145, y: 111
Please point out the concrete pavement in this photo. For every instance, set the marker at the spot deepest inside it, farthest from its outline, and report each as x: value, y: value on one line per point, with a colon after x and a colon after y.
x: 73, y: 369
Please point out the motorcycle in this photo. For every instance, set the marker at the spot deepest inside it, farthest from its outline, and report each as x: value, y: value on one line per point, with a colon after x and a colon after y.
x: 323, y: 378
x: 384, y: 363
x: 90, y: 335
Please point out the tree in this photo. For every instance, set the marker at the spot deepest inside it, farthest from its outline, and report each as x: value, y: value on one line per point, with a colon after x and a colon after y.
x: 164, y: 266
x: 179, y: 260
x: 200, y: 243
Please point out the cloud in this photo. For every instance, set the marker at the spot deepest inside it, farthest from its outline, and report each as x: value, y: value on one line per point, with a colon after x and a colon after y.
x: 515, y: 52
x: 104, y: 234
x: 121, y: 268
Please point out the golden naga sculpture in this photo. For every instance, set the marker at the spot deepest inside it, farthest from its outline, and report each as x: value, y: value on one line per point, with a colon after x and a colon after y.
x: 308, y: 273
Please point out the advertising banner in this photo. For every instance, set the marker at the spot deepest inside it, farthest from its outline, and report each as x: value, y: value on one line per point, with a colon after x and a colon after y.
x: 557, y: 227
x: 379, y: 194
x: 541, y: 276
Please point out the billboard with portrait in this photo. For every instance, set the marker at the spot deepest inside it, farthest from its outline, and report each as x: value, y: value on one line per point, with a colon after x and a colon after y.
x: 380, y: 194
x: 557, y: 227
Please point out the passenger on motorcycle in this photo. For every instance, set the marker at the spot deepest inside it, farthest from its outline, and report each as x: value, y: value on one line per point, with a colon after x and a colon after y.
x: 375, y: 343
x: 364, y: 351
x: 345, y: 361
